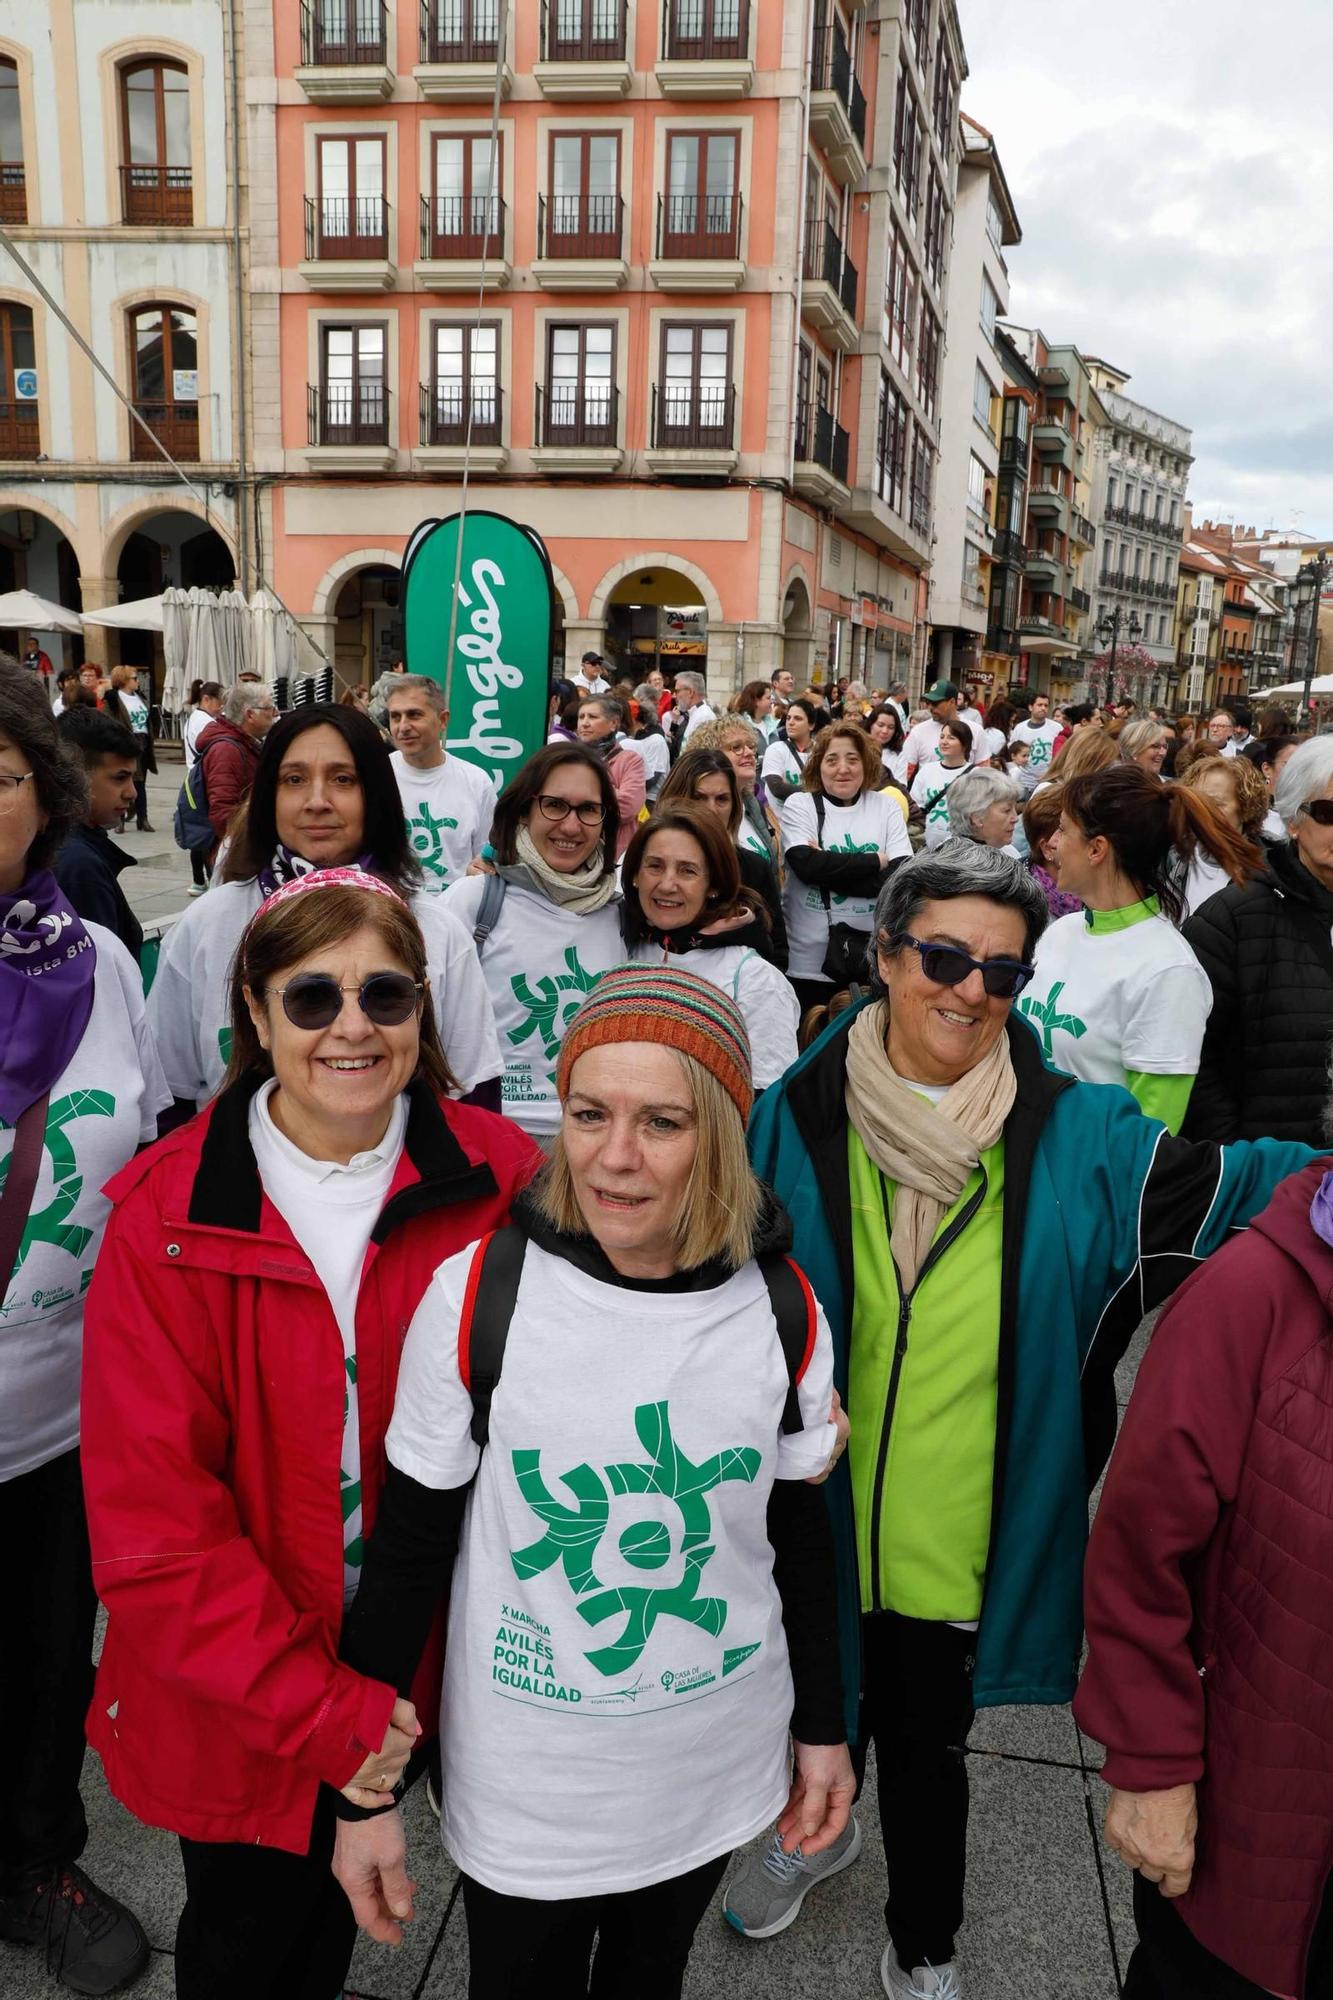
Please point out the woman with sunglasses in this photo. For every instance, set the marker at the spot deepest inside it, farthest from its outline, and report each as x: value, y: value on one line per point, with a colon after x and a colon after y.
x: 260, y: 1269
x: 977, y: 1228
x: 1119, y: 996
x: 547, y: 922
x: 324, y: 796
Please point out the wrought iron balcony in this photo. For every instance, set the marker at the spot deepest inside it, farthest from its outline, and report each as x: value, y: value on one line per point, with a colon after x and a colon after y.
x: 578, y: 413
x: 1008, y: 548
x: 583, y: 30
x: 821, y: 440
x: 339, y: 226
x: 827, y: 262
x: 20, y: 430
x: 705, y: 30
x: 459, y: 31
x: 339, y: 33
x: 456, y: 225
x: 1080, y: 600
x: 157, y: 196
x: 701, y: 226
x: 176, y: 424
x: 831, y: 69
x: 343, y: 413
x: 1014, y: 452
x: 580, y: 225
x: 693, y: 416
x: 443, y: 413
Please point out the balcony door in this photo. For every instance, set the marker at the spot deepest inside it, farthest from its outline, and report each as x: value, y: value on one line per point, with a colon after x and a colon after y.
x: 13, y: 178
x: 697, y: 29
x: 156, y: 179
x: 702, y: 205
x: 585, y: 195
x: 466, y: 217
x: 696, y: 398
x: 352, y: 389
x: 467, y: 378
x: 349, y: 31
x: 580, y: 385
x: 352, y: 217
x: 585, y: 30
x: 18, y: 384
x: 464, y: 30
x: 165, y: 359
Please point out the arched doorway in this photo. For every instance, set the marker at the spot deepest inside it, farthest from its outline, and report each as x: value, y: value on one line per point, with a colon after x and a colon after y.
x: 368, y: 631
x: 655, y: 618
x: 35, y: 556
x: 170, y: 549
x: 797, y: 631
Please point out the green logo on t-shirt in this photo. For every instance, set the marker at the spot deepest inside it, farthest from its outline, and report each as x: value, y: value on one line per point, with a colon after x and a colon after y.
x: 573, y: 1534
x: 1039, y: 752
x: 1046, y: 1015
x: 52, y: 1224
x: 553, y: 1005
x: 423, y: 831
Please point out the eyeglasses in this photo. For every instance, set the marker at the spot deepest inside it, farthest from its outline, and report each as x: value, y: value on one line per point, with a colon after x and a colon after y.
x: 314, y: 1000
x: 586, y: 812
x: 1319, y: 810
x: 9, y: 789
x: 945, y: 965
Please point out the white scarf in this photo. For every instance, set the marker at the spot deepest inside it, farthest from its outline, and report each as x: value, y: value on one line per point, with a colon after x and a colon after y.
x: 582, y: 889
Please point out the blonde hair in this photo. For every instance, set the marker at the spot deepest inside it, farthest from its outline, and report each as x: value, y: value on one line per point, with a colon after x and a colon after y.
x: 720, y: 1205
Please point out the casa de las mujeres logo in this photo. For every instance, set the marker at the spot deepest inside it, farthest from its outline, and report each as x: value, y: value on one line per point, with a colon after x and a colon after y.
x: 424, y: 833
x: 626, y: 1613
x: 51, y: 1223
x: 551, y: 1003
x: 1047, y: 1017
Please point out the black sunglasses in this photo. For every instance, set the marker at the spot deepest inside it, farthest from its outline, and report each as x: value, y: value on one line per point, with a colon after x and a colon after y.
x: 315, y: 999
x: 945, y: 965
x: 586, y: 812
x: 1319, y: 810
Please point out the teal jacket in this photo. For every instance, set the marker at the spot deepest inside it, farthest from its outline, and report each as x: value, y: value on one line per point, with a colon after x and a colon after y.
x: 1104, y: 1215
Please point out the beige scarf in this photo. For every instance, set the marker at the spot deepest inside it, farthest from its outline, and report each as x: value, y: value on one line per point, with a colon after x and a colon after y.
x: 582, y: 889
x: 930, y: 1150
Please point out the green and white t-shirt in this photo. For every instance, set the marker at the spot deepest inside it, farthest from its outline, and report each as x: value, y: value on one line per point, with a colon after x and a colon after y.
x: 331, y: 1210
x: 448, y: 812
x: 765, y: 998
x: 1118, y: 991
x: 783, y: 760
x: 188, y: 1005
x: 103, y: 1107
x: 1041, y: 736
x: 136, y: 712
x: 874, y: 825
x: 539, y: 963
x: 929, y: 786
x: 617, y: 1691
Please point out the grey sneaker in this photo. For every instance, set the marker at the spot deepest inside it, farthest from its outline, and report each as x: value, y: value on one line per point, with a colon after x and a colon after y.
x: 768, y: 1892
x: 923, y: 1982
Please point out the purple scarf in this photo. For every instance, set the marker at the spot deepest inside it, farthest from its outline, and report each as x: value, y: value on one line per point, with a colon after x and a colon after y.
x: 47, y: 962
x: 286, y: 866
x: 1321, y: 1210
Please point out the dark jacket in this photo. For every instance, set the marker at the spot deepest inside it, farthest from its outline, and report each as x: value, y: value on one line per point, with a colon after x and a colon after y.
x: 1104, y: 1214
x: 230, y: 759
x: 1267, y: 948
x: 87, y: 867
x: 1208, y: 1588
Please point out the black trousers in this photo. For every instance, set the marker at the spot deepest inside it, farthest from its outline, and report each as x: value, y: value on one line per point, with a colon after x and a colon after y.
x: 810, y: 992
x: 46, y: 1668
x: 1169, y: 1963
x: 256, y: 1921
x: 917, y: 1710
x: 517, y: 1946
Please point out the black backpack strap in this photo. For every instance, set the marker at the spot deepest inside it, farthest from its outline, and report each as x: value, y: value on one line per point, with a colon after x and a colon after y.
x: 488, y: 1308
x: 793, y: 1305
x: 819, y: 831
x: 488, y: 911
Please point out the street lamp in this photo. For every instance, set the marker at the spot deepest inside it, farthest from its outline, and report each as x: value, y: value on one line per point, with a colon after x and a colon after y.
x: 1109, y: 627
x: 1309, y: 594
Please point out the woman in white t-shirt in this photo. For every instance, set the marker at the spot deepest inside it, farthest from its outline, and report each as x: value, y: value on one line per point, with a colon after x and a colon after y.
x: 740, y: 743
x: 124, y: 701
x: 708, y: 778
x: 983, y: 806
x: 682, y: 892
x: 1118, y: 996
x: 786, y: 757
x: 1234, y: 787
x: 324, y: 796
x: 931, y: 784
x: 890, y: 738
x: 547, y: 923
x: 839, y: 838
x: 643, y: 1608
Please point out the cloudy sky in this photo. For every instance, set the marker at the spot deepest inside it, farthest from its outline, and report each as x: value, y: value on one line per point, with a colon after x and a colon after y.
x: 1172, y: 168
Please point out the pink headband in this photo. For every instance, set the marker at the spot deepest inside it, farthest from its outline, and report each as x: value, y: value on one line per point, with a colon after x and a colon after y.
x: 324, y: 878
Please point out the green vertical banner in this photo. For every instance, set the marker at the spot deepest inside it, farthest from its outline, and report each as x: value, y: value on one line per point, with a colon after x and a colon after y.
x: 499, y: 689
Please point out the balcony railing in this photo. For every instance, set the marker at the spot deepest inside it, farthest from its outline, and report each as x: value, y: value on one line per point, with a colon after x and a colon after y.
x: 157, y: 195
x: 705, y: 30
x: 1147, y: 524
x: 1083, y: 530
x: 19, y: 430
x: 1008, y: 548
x: 1080, y: 600
x: 583, y: 30
x: 692, y: 225
x: 347, y: 413
x: 693, y: 416
x: 457, y: 225
x: 339, y: 225
x: 579, y: 225
x: 831, y: 69
x: 1014, y: 452
x: 578, y: 413
x: 459, y: 31
x: 821, y: 440
x: 1001, y: 639
x: 176, y: 424
x: 13, y: 192
x: 443, y: 412
x: 338, y: 32
x: 826, y: 259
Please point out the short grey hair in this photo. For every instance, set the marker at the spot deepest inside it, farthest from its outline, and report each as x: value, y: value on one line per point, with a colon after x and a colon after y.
x: 646, y: 695
x: 689, y: 679
x: 940, y: 875
x: 243, y: 697
x: 1136, y: 737
x: 1303, y: 777
x: 421, y: 684
x: 976, y: 792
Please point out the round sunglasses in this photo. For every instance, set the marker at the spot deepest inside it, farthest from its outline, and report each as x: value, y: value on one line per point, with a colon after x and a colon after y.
x: 945, y: 965
x: 314, y: 1000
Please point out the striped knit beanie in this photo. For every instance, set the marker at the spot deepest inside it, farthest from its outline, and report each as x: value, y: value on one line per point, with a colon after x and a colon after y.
x: 658, y: 1003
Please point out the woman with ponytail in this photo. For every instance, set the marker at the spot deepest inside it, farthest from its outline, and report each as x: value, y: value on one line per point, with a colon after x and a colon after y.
x: 1119, y: 997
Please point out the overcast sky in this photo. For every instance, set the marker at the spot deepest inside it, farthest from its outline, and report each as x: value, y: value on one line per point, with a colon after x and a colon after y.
x: 1172, y: 168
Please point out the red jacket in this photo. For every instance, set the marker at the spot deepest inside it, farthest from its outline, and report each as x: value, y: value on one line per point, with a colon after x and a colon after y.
x: 1209, y: 1584
x: 229, y: 770
x: 212, y: 1430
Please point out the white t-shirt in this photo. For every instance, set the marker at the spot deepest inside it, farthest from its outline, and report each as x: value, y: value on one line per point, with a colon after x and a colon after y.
x: 331, y: 1210
x: 923, y: 743
x: 448, y: 812
x: 929, y: 786
x: 104, y: 1106
x: 594, y: 686
x: 194, y: 729
x: 874, y: 825
x: 696, y: 719
x: 578, y: 1754
x: 656, y: 759
x: 539, y: 963
x: 992, y: 742
x: 189, y: 1005
x: 136, y: 712
x: 1106, y: 1002
x: 895, y: 764
x: 1203, y: 878
x: 783, y: 760
x: 1042, y: 737
x: 764, y: 996
x: 975, y: 722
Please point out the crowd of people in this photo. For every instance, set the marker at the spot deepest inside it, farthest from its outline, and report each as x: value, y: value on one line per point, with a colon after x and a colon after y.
x: 675, y: 1223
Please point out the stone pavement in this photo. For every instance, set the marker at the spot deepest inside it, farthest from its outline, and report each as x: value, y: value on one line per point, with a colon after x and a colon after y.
x: 1035, y: 1930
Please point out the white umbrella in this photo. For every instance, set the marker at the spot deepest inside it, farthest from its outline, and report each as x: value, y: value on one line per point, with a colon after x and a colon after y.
x: 24, y: 610
x: 231, y: 616
x: 204, y: 660
x: 176, y: 649
x: 1323, y: 684
x: 144, y: 614
x: 275, y: 643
